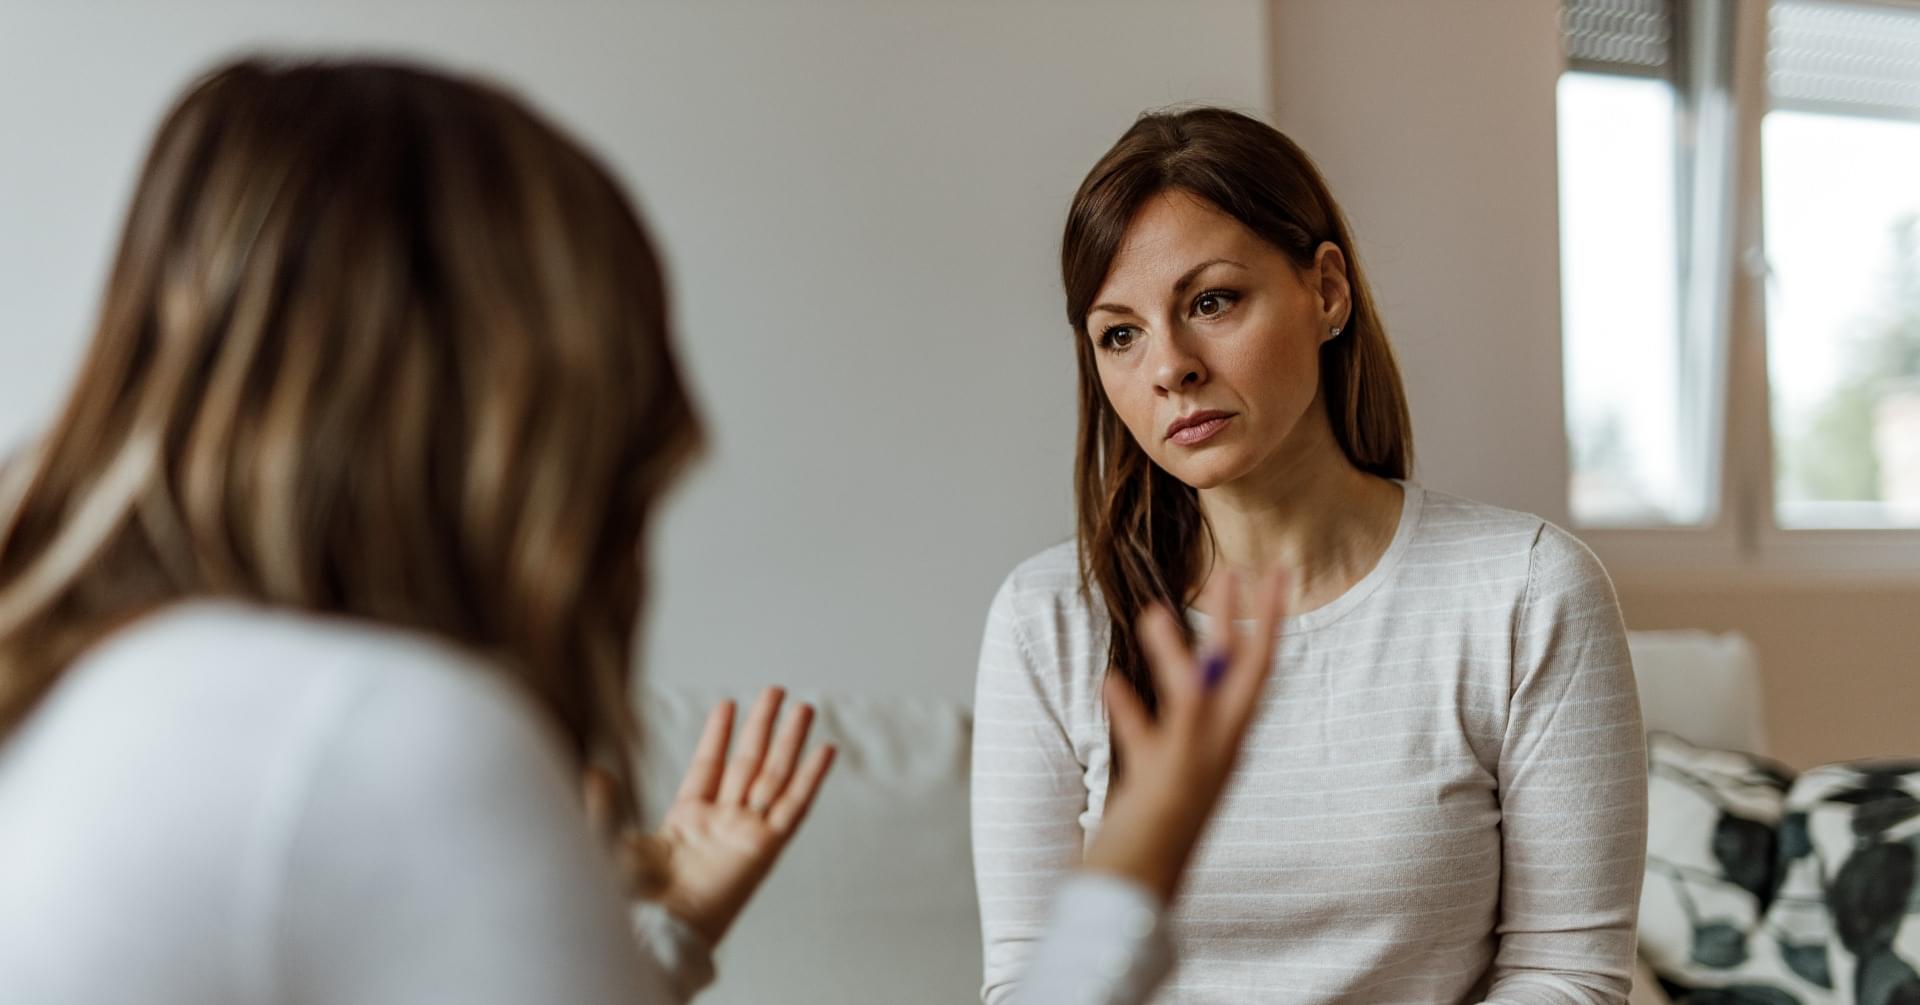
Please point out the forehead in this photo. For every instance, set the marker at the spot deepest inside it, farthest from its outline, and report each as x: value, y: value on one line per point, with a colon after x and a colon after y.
x: 1170, y: 233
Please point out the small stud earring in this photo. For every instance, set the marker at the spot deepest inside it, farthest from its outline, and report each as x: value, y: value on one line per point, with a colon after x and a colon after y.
x: 1335, y: 333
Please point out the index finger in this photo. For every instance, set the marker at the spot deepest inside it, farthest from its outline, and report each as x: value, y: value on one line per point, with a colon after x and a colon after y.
x: 756, y: 733
x: 703, y: 773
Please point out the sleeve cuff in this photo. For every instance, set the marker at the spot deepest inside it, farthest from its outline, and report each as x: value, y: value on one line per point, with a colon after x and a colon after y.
x: 1105, y: 945
x: 685, y: 959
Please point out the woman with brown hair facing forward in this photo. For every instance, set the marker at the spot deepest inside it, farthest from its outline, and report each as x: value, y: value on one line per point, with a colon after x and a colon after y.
x: 1443, y: 794
x: 318, y: 598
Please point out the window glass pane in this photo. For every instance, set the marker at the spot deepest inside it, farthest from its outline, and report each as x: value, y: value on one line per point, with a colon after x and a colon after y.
x: 1840, y: 156
x: 1627, y: 402
x: 1842, y: 205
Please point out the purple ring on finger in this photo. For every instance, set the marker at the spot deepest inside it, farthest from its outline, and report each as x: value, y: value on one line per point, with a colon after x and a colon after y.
x: 1214, y: 668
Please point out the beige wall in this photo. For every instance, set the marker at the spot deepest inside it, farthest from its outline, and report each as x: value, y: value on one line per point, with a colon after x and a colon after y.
x: 1840, y: 664
x: 1435, y: 125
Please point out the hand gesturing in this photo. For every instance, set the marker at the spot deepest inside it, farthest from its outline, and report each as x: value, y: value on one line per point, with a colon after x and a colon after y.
x: 1179, y: 762
x: 732, y: 817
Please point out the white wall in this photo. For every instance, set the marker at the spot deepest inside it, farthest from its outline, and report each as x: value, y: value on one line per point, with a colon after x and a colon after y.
x: 1434, y: 124
x: 860, y: 204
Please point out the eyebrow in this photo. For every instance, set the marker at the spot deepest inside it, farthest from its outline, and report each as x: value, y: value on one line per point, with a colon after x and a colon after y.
x: 1186, y: 279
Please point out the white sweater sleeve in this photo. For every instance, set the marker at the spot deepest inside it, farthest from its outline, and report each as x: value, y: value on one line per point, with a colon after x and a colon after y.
x: 437, y: 854
x: 1106, y: 945
x: 1573, y: 791
x: 1043, y: 934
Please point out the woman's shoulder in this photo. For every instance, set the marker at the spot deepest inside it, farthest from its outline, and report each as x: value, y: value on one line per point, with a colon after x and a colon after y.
x: 1045, y: 576
x: 375, y: 723
x: 227, y: 734
x: 1455, y: 528
x: 1043, y: 614
x: 1047, y: 587
x: 278, y: 647
x: 1457, y: 519
x: 216, y: 670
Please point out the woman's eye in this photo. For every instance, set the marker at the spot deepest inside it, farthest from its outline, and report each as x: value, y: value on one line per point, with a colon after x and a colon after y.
x: 1118, y: 337
x: 1213, y: 303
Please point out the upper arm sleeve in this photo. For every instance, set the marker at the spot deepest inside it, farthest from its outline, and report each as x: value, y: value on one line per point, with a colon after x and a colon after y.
x: 439, y: 855
x: 1027, y: 794
x: 1573, y: 790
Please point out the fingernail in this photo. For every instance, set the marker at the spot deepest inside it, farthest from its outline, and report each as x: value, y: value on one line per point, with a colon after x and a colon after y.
x: 1213, y: 669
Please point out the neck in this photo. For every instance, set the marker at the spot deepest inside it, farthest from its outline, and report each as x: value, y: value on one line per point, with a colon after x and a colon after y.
x: 1311, y: 511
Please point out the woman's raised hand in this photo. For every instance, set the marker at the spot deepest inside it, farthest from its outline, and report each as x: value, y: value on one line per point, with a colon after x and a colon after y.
x: 1177, y: 763
x: 732, y: 815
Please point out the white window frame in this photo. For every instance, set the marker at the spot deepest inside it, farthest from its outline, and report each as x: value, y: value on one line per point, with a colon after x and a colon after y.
x: 1743, y: 539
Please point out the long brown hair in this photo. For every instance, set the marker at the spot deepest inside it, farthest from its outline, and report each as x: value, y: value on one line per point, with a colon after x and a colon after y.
x: 377, y: 343
x: 1138, y: 525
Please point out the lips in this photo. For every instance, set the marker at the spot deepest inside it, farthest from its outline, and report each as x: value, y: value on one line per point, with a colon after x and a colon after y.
x: 1196, y: 427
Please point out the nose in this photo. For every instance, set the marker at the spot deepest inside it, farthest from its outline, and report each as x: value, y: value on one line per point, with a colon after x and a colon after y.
x: 1175, y: 367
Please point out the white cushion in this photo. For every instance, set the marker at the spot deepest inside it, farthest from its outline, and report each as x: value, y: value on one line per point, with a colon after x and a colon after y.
x: 1701, y: 687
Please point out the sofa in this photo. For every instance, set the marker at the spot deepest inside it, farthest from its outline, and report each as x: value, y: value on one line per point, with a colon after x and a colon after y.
x: 874, y: 901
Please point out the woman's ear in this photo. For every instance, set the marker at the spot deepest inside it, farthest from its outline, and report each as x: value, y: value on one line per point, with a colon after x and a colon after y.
x: 1329, y: 277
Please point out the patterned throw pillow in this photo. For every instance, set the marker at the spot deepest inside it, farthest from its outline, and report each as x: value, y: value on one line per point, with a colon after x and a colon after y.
x: 1853, y: 830
x: 1766, y: 890
x: 1712, y: 880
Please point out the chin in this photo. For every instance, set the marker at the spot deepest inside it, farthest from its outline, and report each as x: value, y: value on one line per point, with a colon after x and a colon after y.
x: 1207, y: 472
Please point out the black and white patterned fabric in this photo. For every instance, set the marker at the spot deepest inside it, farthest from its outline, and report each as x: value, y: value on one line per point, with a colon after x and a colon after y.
x: 1763, y: 888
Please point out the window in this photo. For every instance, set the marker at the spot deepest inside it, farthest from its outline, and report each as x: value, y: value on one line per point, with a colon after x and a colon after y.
x: 1638, y: 395
x: 1620, y: 295
x: 1840, y: 157
x: 1740, y: 237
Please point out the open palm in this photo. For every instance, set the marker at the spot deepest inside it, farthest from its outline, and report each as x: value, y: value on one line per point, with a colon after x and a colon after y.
x: 733, y: 816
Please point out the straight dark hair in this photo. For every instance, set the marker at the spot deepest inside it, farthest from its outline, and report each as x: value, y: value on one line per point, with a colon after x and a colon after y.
x: 1138, y: 525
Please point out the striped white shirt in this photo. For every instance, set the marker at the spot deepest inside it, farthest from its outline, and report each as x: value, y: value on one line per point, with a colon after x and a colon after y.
x: 1442, y: 798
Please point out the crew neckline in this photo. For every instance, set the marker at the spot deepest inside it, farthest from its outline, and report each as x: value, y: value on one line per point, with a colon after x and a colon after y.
x: 1412, y: 501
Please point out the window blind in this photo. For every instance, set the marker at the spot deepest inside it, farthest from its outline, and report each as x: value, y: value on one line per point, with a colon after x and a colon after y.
x: 1619, y: 36
x: 1845, y: 58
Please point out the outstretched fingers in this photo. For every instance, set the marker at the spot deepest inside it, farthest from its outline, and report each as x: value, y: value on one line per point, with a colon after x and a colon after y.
x: 790, y: 808
x: 755, y: 737
x: 781, y: 760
